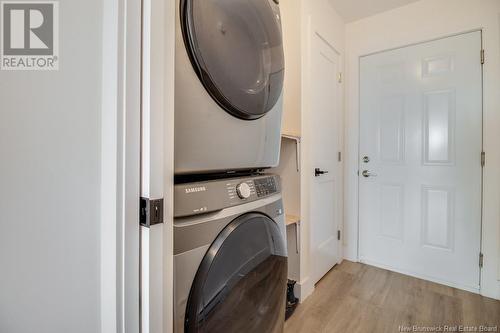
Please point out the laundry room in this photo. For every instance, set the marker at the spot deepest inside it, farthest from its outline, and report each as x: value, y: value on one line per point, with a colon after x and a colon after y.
x: 256, y: 166
x: 271, y: 131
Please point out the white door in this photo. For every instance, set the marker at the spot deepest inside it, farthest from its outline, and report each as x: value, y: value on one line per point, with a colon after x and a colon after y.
x: 324, y: 122
x: 420, y: 152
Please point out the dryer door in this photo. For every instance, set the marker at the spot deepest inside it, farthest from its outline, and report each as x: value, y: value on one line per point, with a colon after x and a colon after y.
x: 240, y: 285
x: 236, y: 49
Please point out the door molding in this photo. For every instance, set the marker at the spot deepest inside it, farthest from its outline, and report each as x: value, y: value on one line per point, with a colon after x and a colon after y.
x: 421, y: 42
x: 120, y: 154
x: 157, y: 162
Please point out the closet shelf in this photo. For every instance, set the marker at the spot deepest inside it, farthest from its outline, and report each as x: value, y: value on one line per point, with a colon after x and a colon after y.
x: 291, y: 136
x: 291, y: 219
x: 296, y: 139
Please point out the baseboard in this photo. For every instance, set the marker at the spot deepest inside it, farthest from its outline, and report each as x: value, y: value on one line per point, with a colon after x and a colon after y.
x: 491, y: 291
x: 350, y: 255
x: 304, y: 289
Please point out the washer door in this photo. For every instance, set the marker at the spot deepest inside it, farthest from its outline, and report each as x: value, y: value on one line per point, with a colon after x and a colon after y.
x: 240, y: 285
x: 236, y: 49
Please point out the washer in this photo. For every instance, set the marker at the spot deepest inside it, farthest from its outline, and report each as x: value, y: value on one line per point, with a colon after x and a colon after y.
x: 228, y: 85
x: 230, y: 257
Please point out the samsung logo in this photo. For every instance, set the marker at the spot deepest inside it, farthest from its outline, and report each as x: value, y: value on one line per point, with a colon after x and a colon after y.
x: 196, y: 189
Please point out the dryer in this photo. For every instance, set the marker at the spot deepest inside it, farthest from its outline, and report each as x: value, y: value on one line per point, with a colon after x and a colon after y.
x: 230, y: 257
x: 228, y: 85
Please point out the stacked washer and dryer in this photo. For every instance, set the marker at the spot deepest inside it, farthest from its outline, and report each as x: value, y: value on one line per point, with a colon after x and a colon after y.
x: 230, y: 256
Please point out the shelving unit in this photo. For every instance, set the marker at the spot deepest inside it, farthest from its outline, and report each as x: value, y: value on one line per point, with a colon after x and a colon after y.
x: 296, y: 139
x: 289, y: 170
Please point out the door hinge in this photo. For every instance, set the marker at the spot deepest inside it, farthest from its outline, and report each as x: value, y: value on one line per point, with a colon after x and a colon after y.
x: 340, y: 77
x: 151, y: 212
x: 340, y: 156
x: 481, y: 260
x: 338, y: 234
x: 483, y: 159
x: 482, y: 56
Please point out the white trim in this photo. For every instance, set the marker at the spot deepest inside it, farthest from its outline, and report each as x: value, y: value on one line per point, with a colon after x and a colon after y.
x: 421, y: 42
x: 129, y: 145
x: 120, y: 154
x: 304, y: 289
x: 158, y: 66
x: 120, y: 125
x: 109, y: 129
x: 145, y: 280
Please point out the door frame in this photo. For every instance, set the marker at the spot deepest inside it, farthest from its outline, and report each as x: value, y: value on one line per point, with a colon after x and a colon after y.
x: 358, y: 142
x: 157, y: 162
x: 123, y: 297
x: 120, y: 158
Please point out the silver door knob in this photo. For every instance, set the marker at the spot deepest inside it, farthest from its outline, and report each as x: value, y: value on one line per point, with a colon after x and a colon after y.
x: 368, y: 173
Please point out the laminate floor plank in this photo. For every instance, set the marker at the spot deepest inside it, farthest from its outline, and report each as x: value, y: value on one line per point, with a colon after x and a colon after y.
x: 358, y: 298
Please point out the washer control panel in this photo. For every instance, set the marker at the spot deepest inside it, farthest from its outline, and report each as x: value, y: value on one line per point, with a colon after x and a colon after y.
x: 244, y: 190
x: 213, y: 195
x: 265, y: 186
x: 240, y: 189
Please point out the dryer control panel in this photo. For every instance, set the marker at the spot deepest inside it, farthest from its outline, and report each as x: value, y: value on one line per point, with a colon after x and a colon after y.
x: 214, y: 195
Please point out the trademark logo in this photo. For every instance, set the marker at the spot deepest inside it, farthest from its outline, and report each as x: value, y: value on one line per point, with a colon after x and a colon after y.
x: 29, y: 35
x: 196, y: 189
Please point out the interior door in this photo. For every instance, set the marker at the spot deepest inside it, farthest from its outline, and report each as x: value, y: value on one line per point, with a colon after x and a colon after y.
x: 325, y: 192
x: 420, y: 169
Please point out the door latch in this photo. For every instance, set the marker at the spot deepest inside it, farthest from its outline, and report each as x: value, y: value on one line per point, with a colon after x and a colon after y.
x: 151, y: 212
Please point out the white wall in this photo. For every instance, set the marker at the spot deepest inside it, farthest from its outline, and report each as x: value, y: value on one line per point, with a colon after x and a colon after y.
x: 290, y: 179
x: 316, y: 15
x: 50, y: 146
x: 290, y: 21
x: 417, y: 22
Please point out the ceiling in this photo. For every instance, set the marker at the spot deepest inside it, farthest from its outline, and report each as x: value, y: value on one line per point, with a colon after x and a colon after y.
x: 352, y: 10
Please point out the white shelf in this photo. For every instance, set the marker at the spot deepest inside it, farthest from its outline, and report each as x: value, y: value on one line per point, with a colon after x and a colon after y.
x: 291, y: 136
x: 291, y: 219
x: 296, y: 139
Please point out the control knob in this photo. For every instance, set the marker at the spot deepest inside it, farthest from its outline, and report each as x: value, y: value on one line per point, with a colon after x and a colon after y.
x: 243, y: 190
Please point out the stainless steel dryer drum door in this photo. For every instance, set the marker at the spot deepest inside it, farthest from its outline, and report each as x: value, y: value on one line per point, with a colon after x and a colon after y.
x: 228, y: 85
x: 239, y: 284
x: 236, y: 49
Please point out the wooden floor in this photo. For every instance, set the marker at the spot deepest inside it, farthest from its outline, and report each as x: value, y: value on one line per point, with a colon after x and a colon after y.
x: 354, y: 297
